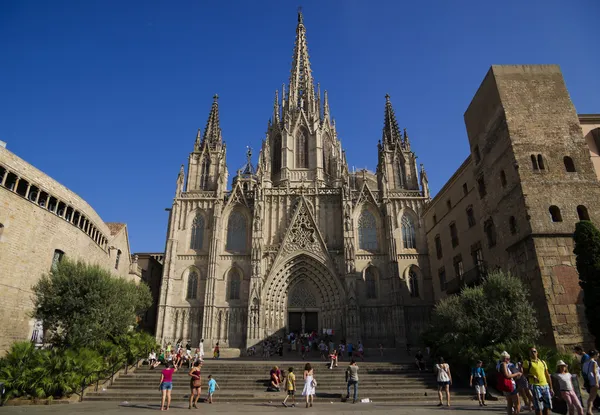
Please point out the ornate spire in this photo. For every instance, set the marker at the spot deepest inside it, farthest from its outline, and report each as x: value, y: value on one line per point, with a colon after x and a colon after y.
x: 276, y: 108
x: 198, y: 140
x: 391, y: 131
x: 212, y: 132
x: 301, y: 91
x: 406, y: 143
x: 325, y: 105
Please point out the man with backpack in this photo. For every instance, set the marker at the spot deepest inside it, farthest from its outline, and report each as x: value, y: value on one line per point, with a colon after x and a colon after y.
x: 536, y: 371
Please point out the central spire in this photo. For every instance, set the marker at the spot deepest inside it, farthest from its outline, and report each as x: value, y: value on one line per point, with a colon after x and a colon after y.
x: 391, y: 131
x: 212, y: 132
x: 301, y: 90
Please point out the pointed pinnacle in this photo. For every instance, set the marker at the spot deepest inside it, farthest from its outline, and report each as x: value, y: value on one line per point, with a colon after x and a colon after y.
x: 212, y: 132
x: 391, y: 131
x: 406, y: 141
x: 276, y: 107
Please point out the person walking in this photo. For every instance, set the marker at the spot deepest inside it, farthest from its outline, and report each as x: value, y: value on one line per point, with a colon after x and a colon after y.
x: 361, y: 351
x: 201, y: 347
x: 592, y: 374
x: 216, y: 351
x: 567, y: 391
x: 309, y: 385
x: 536, y: 371
x: 352, y: 380
x: 212, y: 387
x: 166, y: 386
x: 523, y: 386
x: 195, y: 384
x: 505, y: 368
x: 290, y: 387
x: 444, y: 380
x: 479, y: 380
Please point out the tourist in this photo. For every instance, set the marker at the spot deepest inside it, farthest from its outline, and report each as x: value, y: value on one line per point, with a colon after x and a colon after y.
x: 178, y: 360
x: 274, y: 376
x: 169, y: 347
x: 361, y: 351
x: 420, y: 360
x: 166, y: 386
x: 583, y: 357
x: 201, y: 347
x: 333, y: 357
x: 352, y: 380
x: 151, y: 359
x: 309, y: 385
x: 479, y: 380
x: 350, y: 348
x: 541, y: 384
x: 523, y: 386
x: 290, y: 387
x: 505, y: 368
x: 341, y: 350
x: 592, y: 374
x: 212, y: 386
x: 444, y: 380
x: 323, y: 350
x: 566, y: 388
x: 216, y: 351
x: 195, y: 384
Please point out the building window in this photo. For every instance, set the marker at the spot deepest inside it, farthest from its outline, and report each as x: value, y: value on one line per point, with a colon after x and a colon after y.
x: 477, y: 254
x: 512, y: 223
x: 435, y: 219
x: 453, y: 235
x: 438, y: 246
x: 192, y: 287
x: 534, y: 163
x: 555, y: 214
x: 302, y: 150
x: 371, y: 283
x: 205, y: 173
x: 118, y: 259
x: 236, y: 232
x: 481, y: 186
x: 465, y: 189
x: 502, y: 178
x: 367, y: 231
x: 449, y: 204
x: 490, y: 232
x: 197, y: 236
x: 327, y: 155
x: 476, y: 154
x: 442, y: 277
x: 413, y: 282
x: 408, y: 233
x: 582, y: 212
x: 458, y: 267
x: 569, y: 165
x: 234, y: 285
x: 470, y: 216
x: 58, y: 256
x: 540, y: 162
x: 276, y: 155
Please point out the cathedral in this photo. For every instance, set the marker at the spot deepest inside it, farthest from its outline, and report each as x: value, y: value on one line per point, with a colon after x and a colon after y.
x: 299, y: 243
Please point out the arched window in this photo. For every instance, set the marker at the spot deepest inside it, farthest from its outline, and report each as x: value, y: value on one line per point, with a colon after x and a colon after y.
x: 555, y: 214
x: 512, y: 223
x: 582, y: 212
x: 371, y: 283
x: 197, y: 236
x: 367, y: 231
x: 118, y: 259
x: 534, y: 164
x: 413, y: 283
x: 569, y: 165
x: 302, y: 150
x: 327, y: 158
x: 192, y: 286
x: 236, y: 232
x: 56, y: 258
x: 234, y: 285
x: 408, y: 233
x: 490, y: 232
x: 205, y: 173
x: 276, y: 155
x: 540, y: 161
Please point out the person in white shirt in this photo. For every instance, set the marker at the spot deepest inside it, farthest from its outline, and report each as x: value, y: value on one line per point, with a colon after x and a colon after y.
x: 566, y: 388
x: 201, y: 347
x: 152, y: 358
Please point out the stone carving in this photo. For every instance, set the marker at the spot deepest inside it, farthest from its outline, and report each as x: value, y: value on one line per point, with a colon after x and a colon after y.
x: 302, y: 297
x: 302, y: 234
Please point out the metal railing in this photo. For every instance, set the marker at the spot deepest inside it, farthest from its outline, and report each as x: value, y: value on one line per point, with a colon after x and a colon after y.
x: 471, y: 278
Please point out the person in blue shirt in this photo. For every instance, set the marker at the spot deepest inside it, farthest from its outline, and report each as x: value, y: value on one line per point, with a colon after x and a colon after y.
x: 584, y: 358
x: 479, y: 380
x: 212, y: 386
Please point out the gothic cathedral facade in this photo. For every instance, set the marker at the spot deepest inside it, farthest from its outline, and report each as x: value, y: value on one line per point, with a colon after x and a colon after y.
x: 299, y: 243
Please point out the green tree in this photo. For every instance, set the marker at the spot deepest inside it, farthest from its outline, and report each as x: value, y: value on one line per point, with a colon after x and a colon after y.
x: 466, y: 326
x: 587, y: 249
x: 83, y: 305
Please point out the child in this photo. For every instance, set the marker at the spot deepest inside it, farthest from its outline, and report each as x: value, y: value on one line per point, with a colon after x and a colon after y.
x: 212, y: 385
x: 566, y: 388
x: 290, y: 387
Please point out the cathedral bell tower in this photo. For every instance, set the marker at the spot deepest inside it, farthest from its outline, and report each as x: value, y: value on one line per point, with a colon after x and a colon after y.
x: 206, y: 164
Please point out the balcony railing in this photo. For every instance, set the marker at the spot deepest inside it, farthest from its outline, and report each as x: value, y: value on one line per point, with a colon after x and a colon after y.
x: 471, y: 278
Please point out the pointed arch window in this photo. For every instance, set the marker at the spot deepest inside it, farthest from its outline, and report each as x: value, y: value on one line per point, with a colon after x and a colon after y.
x: 555, y: 214
x: 367, y: 231
x: 236, y: 232
x: 205, y: 173
x: 409, y: 239
x: 192, y: 286
x: 197, y: 237
x: 371, y: 282
x: 276, y: 155
x: 234, y: 285
x: 302, y: 150
x: 413, y: 283
x: 582, y: 212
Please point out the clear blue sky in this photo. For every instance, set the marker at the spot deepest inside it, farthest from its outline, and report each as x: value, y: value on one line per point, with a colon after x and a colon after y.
x: 106, y: 96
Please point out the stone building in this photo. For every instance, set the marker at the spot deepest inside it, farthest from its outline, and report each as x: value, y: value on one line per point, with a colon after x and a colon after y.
x: 299, y: 243
x: 514, y: 202
x: 40, y: 222
x: 151, y: 267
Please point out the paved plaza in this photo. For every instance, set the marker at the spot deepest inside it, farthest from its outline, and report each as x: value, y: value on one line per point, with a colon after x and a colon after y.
x: 92, y: 408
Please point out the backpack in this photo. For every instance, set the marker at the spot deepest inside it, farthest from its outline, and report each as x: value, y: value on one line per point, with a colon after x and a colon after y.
x: 504, y: 384
x: 529, y: 376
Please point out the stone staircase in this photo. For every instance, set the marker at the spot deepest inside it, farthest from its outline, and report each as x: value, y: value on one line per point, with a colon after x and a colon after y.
x: 245, y: 381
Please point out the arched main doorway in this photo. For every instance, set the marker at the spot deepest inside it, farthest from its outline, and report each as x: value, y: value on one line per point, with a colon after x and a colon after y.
x: 303, y: 294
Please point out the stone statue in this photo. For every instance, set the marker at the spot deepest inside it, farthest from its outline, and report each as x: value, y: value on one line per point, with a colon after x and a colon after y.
x: 348, y: 221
